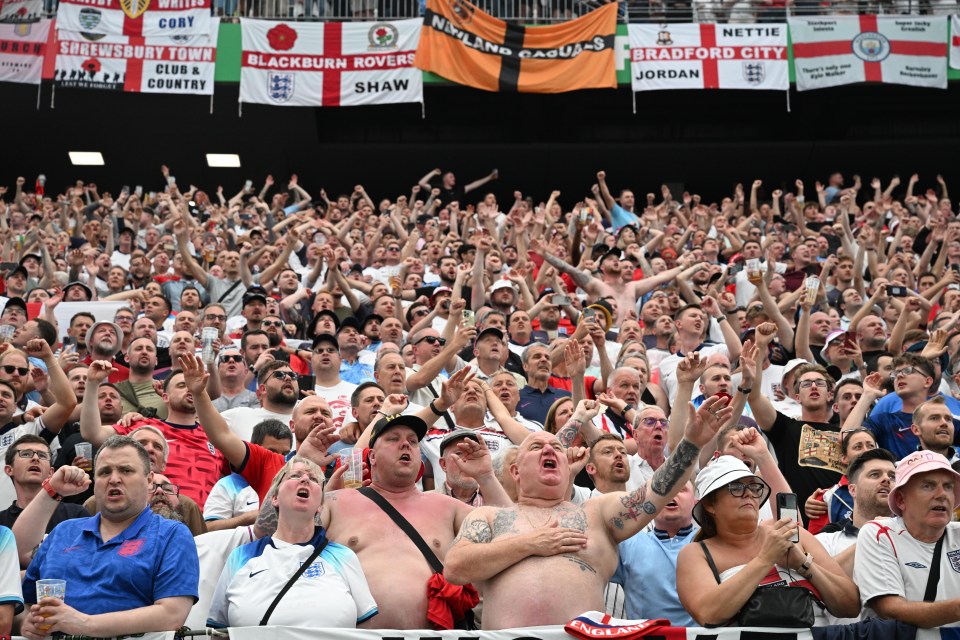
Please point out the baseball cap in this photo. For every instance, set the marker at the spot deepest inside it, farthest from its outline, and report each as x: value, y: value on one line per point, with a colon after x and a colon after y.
x: 793, y: 364
x: 329, y: 338
x: 720, y: 473
x: 502, y: 284
x: 31, y: 255
x: 921, y: 462
x: 385, y: 424
x: 456, y: 435
x: 348, y: 322
x: 373, y: 316
x: 255, y: 293
x: 326, y: 312
x: 16, y: 302
x: 75, y: 283
x: 491, y: 330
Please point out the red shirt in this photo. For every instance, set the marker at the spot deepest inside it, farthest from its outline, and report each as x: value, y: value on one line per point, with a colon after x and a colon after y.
x: 193, y: 464
x: 567, y: 384
x: 120, y: 375
x: 259, y: 468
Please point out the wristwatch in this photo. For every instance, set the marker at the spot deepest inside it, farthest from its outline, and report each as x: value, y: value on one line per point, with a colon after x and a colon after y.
x: 626, y: 408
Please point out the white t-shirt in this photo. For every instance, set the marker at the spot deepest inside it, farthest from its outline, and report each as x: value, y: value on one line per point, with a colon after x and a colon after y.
x: 890, y: 561
x: 242, y: 420
x: 835, y: 543
x: 229, y: 498
x: 338, y: 397
x: 493, y: 436
x: 668, y: 368
x: 213, y: 548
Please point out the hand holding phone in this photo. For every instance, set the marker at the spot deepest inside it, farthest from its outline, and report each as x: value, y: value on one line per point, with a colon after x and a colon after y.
x: 787, y: 508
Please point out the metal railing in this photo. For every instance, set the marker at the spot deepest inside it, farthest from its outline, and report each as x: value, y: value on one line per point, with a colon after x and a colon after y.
x: 549, y: 11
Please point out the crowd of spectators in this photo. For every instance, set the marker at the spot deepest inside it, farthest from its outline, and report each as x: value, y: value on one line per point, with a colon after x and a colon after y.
x: 221, y: 410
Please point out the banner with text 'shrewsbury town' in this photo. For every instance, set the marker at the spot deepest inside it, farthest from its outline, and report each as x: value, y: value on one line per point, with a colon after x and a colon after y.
x: 708, y: 56
x: 332, y: 64
x: 21, y: 10
x: 465, y: 45
x: 834, y: 50
x: 148, y: 18
x: 21, y: 51
x: 179, y: 64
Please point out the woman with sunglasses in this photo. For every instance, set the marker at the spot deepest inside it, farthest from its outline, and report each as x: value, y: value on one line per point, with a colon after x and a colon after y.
x: 835, y: 504
x: 737, y: 553
x: 331, y: 592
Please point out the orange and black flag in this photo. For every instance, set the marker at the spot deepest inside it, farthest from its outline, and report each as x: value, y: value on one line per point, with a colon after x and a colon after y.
x: 465, y: 45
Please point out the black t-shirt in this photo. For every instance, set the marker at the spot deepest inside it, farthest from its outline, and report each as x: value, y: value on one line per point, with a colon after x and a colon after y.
x: 808, y: 453
x: 64, y: 511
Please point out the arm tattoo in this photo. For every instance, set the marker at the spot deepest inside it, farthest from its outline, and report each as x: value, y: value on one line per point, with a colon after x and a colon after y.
x: 635, y: 506
x: 582, y: 278
x: 674, y: 468
x: 568, y: 433
x: 476, y: 531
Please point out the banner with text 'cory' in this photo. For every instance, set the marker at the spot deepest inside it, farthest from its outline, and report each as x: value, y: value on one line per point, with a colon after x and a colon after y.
x: 465, y: 45
x: 708, y: 56
x: 149, y: 18
x: 333, y: 64
x: 834, y: 50
x: 182, y: 64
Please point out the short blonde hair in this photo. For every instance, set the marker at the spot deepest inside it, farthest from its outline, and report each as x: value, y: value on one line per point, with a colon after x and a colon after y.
x: 309, y: 464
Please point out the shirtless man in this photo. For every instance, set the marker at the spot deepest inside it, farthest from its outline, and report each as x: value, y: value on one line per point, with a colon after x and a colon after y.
x: 506, y: 552
x: 611, y: 284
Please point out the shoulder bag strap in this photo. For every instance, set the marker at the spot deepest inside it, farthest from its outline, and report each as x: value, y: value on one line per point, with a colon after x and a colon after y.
x: 293, y: 579
x: 933, y: 579
x: 713, y: 566
x: 446, y: 414
x: 405, y: 526
x: 229, y: 290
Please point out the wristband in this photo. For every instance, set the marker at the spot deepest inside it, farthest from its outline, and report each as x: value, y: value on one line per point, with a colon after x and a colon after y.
x: 433, y: 408
x: 745, y: 392
x: 806, y: 566
x: 721, y: 318
x: 628, y: 407
x: 50, y: 490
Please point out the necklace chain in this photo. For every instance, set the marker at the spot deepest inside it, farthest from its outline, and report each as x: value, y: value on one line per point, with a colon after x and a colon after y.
x: 527, y: 517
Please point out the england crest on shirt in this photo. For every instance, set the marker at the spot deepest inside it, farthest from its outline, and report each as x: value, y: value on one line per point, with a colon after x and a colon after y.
x: 954, y: 557
x: 315, y: 570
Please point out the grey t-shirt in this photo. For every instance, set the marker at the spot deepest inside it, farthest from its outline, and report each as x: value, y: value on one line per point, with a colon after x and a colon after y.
x: 233, y: 302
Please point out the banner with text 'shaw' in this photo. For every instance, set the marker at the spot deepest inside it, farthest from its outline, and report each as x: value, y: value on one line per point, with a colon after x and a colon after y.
x: 834, y: 50
x: 177, y: 64
x: 708, y: 56
x: 21, y: 10
x: 148, y: 18
x: 332, y: 64
x: 21, y: 51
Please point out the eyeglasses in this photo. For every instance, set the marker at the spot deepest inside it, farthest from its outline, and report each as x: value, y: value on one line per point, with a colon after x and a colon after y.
x: 738, y: 489
x: 905, y: 371
x: 393, y: 248
x: 433, y: 340
x: 806, y: 384
x: 27, y: 454
x: 284, y: 375
x: 214, y: 316
x: 233, y: 357
x: 309, y: 476
x: 271, y: 323
x: 120, y: 319
x: 9, y: 368
x: 650, y: 423
x: 322, y: 350
x: 168, y: 488
x: 421, y: 312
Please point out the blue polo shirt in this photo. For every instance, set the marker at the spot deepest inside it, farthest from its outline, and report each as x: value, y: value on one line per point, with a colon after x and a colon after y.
x: 356, y: 373
x: 534, y: 403
x: 151, y: 559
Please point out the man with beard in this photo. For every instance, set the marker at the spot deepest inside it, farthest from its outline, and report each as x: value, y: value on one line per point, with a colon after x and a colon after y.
x: 103, y: 343
x: 138, y: 391
x: 329, y: 384
x: 193, y: 464
x: 934, y: 426
x: 278, y: 392
x: 80, y: 323
x: 231, y: 373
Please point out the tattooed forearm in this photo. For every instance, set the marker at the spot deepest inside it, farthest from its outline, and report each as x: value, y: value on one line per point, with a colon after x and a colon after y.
x: 635, y: 506
x: 475, y: 530
x: 679, y: 462
x: 580, y: 563
x: 582, y: 278
x: 568, y: 433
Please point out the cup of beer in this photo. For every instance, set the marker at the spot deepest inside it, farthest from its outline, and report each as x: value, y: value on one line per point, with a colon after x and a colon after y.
x: 85, y: 450
x: 50, y: 588
x: 812, y: 286
x: 353, y: 476
x: 753, y: 271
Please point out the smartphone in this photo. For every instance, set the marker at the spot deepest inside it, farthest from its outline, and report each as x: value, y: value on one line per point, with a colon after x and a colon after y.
x: 787, y: 508
x: 171, y: 180
x: 955, y: 267
x: 125, y: 190
x: 248, y: 185
x: 896, y: 292
x: 560, y: 300
x: 245, y: 216
x: 850, y: 339
x: 307, y: 383
x: 138, y: 190
x: 469, y: 318
x: 589, y: 313
x: 715, y: 278
x: 68, y: 343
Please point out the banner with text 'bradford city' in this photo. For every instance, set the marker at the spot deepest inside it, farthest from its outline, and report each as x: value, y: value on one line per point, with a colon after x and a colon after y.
x: 463, y: 44
x: 834, y: 50
x: 22, y: 48
x: 333, y: 64
x: 708, y: 56
x: 179, y: 64
x: 148, y: 18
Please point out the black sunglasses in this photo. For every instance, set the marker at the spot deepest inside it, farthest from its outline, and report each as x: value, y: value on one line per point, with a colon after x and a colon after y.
x: 285, y: 375
x: 433, y: 340
x: 231, y: 358
x: 9, y: 368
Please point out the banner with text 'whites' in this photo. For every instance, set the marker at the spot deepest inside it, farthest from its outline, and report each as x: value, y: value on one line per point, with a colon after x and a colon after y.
x: 465, y: 45
x: 708, y: 56
x: 829, y: 51
x: 149, y: 18
x: 332, y: 64
x: 181, y: 64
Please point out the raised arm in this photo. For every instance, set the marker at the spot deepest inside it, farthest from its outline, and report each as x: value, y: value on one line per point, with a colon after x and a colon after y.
x: 218, y: 432
x: 689, y: 371
x: 91, y: 428
x: 584, y: 280
x: 190, y: 264
x: 763, y: 411
x: 476, y: 184
x: 59, y: 412
x: 31, y: 525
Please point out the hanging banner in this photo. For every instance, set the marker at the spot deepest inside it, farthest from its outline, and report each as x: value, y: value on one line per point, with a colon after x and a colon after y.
x: 333, y: 64
x: 148, y: 18
x: 465, y: 45
x: 21, y: 10
x: 955, y: 42
x: 21, y: 51
x: 708, y: 56
x: 835, y: 50
x: 181, y: 64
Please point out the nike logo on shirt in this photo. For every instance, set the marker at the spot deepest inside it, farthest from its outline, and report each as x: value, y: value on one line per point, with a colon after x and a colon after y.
x: 253, y: 573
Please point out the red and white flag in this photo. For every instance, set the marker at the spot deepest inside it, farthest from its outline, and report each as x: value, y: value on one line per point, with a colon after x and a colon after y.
x: 955, y: 42
x: 21, y: 51
x: 708, y: 56
x: 834, y: 50
x: 148, y: 18
x: 181, y: 64
x: 21, y: 10
x: 333, y: 64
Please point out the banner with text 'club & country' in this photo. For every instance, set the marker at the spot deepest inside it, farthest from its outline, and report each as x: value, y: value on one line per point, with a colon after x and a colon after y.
x: 22, y: 48
x: 180, y: 64
x: 829, y: 51
x: 148, y: 18
x: 332, y: 64
x: 708, y: 56
x: 465, y: 45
